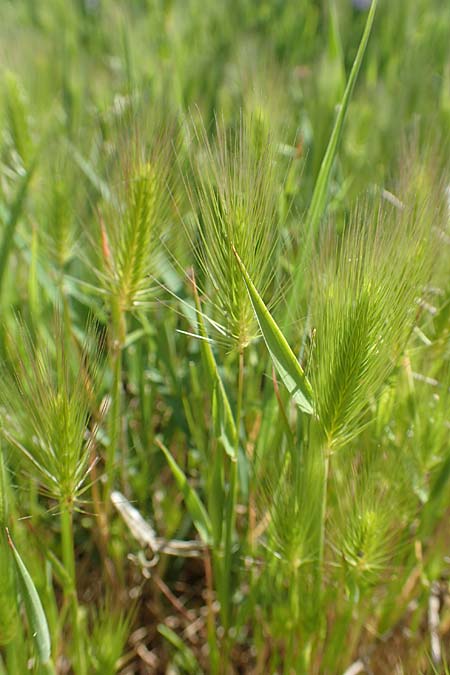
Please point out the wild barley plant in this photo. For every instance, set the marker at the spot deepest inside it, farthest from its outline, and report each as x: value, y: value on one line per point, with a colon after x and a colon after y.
x: 48, y: 397
x: 128, y: 253
x: 364, y: 302
x: 58, y: 214
x: 18, y: 125
x: 383, y: 261
x: 235, y: 202
x: 110, y: 629
x: 234, y: 198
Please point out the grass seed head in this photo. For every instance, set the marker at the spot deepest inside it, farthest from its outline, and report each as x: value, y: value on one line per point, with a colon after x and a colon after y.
x: 132, y: 230
x: 235, y: 199
x: 18, y: 122
x: 366, y: 516
x: 47, y: 398
x: 366, y: 287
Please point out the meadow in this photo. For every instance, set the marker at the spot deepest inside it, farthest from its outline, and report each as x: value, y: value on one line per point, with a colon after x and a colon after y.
x: 224, y: 337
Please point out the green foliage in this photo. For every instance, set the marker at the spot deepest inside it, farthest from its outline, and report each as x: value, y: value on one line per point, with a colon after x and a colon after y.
x: 47, y: 398
x: 110, y: 629
x: 193, y: 503
x: 8, y: 605
x: 18, y: 120
x: 184, y: 656
x: 241, y: 211
x: 34, y: 611
x: 319, y: 198
x: 366, y: 287
x: 284, y: 360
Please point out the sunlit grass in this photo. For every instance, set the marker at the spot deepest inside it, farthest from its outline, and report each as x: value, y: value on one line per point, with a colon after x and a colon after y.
x: 225, y: 303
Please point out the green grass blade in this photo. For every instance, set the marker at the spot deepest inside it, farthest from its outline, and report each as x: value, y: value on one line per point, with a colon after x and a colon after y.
x: 11, y: 223
x: 193, y: 502
x: 287, y: 366
x: 434, y: 504
x: 189, y: 662
x: 335, y: 50
x: 33, y: 608
x: 319, y: 199
x: 3, y: 492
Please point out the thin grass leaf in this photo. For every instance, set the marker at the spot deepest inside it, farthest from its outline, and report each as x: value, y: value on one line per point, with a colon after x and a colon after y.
x: 287, y: 366
x: 12, y: 220
x: 3, y: 492
x: 58, y: 568
x: 185, y: 656
x: 319, y: 199
x: 33, y: 608
x: 9, y: 616
x: 9, y: 619
x: 193, y: 502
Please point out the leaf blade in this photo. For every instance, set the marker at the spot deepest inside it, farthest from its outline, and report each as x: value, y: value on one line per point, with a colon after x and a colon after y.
x: 33, y: 607
x: 285, y: 362
x: 318, y: 202
x: 193, y: 502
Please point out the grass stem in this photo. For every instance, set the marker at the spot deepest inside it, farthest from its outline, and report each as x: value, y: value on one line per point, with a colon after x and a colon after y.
x: 70, y: 591
x: 230, y: 511
x: 118, y: 340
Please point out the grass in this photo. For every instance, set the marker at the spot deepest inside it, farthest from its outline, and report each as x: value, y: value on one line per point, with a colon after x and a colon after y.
x: 224, y: 344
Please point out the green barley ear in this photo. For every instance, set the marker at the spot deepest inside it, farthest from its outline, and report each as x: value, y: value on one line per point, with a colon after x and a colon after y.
x: 109, y: 634
x: 9, y: 619
x: 47, y: 399
x: 365, y: 524
x: 138, y: 233
x: 265, y: 97
x: 235, y: 197
x: 18, y: 124
x: 365, y: 292
x: 59, y: 233
x: 131, y: 234
x: 287, y: 490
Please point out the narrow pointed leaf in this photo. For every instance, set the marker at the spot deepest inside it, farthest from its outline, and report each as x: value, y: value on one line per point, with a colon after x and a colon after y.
x: 193, y: 502
x: 3, y: 493
x: 33, y: 608
x: 319, y: 198
x: 185, y: 654
x: 318, y: 203
x: 12, y: 220
x: 287, y: 366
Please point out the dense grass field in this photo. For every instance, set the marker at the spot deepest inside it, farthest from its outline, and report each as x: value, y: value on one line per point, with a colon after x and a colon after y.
x: 224, y: 337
